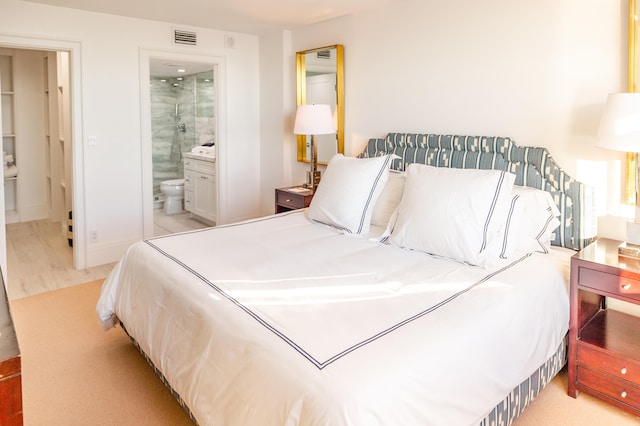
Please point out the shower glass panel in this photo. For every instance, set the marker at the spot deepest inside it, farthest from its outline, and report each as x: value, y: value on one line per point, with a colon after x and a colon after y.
x: 182, y: 117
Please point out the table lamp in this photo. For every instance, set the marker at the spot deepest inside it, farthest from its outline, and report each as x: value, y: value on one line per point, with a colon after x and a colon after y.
x: 620, y: 130
x: 315, y: 119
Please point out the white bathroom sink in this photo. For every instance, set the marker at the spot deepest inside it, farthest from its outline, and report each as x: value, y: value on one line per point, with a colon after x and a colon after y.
x: 199, y: 156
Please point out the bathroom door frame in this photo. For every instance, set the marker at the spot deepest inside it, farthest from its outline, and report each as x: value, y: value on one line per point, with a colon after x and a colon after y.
x: 218, y: 64
x: 75, y: 61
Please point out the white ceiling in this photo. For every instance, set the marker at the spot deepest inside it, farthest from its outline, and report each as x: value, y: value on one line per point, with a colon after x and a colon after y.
x: 245, y: 16
x: 170, y: 68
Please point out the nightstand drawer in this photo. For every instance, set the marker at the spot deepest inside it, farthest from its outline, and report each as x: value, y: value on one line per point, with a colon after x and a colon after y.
x: 295, y: 201
x: 292, y: 198
x: 615, y: 388
x: 609, y: 283
x: 626, y: 369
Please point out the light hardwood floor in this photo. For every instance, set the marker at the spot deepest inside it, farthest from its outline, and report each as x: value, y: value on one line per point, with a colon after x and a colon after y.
x: 163, y: 224
x: 39, y: 257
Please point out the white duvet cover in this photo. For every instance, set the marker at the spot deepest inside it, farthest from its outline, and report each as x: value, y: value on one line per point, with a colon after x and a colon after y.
x: 280, y: 321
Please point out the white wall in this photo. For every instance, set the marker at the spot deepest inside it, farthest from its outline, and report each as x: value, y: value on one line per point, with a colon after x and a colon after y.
x: 110, y: 85
x: 30, y: 143
x: 276, y: 112
x: 538, y: 72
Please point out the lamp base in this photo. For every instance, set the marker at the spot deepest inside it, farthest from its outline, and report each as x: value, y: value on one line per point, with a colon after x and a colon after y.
x: 633, y: 233
x: 312, y: 184
x: 631, y: 247
x: 629, y: 250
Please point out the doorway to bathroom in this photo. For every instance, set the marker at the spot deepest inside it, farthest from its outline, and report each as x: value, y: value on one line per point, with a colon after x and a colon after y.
x: 181, y: 119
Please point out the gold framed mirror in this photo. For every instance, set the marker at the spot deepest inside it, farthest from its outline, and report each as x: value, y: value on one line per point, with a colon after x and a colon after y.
x: 320, y: 80
x: 633, y: 45
x: 632, y: 87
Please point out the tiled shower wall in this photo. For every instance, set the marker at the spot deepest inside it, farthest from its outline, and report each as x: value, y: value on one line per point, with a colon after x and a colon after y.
x: 195, y: 100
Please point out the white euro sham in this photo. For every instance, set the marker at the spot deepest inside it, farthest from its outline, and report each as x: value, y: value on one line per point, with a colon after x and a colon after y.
x: 454, y: 213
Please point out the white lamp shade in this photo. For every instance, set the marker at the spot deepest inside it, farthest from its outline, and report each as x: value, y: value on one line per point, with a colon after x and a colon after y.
x: 620, y: 123
x: 314, y: 119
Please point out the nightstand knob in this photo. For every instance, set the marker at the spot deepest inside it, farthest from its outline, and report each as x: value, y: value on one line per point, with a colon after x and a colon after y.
x: 624, y: 370
x: 288, y: 200
x: 626, y: 286
x: 623, y: 394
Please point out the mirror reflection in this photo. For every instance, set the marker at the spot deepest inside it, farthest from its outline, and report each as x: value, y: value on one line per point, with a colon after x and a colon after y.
x: 320, y: 80
x: 205, y: 94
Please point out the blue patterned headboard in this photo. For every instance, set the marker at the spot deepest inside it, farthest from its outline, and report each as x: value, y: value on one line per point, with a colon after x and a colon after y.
x: 533, y: 167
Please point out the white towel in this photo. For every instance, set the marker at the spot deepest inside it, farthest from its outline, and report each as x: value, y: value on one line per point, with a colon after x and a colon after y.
x: 10, y: 171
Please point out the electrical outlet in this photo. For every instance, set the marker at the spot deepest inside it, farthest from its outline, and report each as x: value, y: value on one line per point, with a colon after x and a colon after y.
x: 93, y: 236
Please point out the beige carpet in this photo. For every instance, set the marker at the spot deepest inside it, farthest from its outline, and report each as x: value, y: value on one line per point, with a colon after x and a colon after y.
x: 76, y: 374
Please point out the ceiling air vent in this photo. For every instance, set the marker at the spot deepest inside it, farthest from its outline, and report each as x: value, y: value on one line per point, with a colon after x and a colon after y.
x: 324, y: 54
x: 184, y: 37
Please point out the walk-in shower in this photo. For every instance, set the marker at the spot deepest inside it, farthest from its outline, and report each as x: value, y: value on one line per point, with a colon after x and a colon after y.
x: 177, y: 143
x: 182, y: 117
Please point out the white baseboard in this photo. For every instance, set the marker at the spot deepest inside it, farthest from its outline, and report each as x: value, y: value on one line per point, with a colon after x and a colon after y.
x: 100, y: 254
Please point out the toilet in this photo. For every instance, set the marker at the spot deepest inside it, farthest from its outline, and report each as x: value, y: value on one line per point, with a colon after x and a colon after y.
x: 173, y: 191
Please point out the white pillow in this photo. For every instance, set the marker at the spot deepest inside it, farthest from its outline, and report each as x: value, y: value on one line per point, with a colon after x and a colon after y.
x: 389, y: 199
x: 531, y: 221
x: 454, y: 213
x: 348, y: 192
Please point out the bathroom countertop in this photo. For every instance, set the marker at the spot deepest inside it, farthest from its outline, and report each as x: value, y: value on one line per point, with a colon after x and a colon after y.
x: 203, y: 157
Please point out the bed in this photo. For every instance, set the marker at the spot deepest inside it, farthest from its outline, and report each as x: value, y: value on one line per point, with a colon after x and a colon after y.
x: 427, y: 283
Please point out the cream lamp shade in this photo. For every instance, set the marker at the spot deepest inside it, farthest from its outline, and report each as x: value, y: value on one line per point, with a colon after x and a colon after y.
x: 620, y: 131
x: 314, y: 119
x: 620, y: 123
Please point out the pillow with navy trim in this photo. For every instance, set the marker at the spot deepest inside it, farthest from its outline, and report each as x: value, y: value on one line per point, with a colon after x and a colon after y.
x: 389, y: 199
x: 531, y: 221
x: 348, y: 191
x: 454, y: 213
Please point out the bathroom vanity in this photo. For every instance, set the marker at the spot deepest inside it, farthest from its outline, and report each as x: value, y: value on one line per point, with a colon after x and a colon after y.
x: 200, y: 186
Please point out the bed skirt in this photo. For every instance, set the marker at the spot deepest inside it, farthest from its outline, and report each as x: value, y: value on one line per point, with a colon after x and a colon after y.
x: 502, y: 414
x: 521, y: 396
x: 175, y: 394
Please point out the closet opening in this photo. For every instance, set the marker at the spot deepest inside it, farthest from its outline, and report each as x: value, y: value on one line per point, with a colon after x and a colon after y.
x: 41, y: 112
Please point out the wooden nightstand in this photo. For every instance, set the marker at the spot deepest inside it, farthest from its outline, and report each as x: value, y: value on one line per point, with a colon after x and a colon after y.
x: 604, y: 345
x: 292, y: 198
